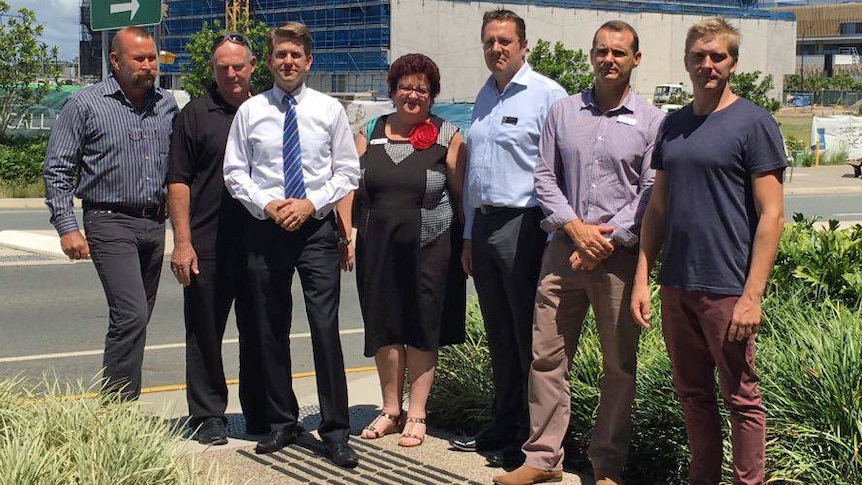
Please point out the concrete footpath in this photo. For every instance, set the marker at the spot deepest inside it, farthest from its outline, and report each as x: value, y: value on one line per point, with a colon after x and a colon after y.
x: 382, y: 461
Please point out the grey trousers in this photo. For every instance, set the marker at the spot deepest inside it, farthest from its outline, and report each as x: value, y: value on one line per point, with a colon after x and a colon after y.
x: 127, y: 253
x: 562, y: 301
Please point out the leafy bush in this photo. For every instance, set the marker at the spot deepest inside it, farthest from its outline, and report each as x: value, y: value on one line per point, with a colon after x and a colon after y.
x: 59, y: 437
x: 21, y: 161
x: 809, y: 362
x: 827, y: 262
x: 835, y: 157
x: 749, y: 86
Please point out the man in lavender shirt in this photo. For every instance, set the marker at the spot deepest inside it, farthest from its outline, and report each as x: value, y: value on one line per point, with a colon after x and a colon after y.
x: 593, y: 180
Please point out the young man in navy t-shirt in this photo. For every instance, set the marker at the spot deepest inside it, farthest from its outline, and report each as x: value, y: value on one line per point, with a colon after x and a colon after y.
x: 717, y: 210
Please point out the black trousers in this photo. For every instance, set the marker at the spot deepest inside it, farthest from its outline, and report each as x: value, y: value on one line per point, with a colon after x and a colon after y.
x: 507, y: 247
x: 222, y: 281
x: 273, y: 256
x: 127, y: 253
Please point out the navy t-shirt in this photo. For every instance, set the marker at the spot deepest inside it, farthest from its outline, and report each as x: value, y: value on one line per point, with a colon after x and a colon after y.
x: 708, y: 163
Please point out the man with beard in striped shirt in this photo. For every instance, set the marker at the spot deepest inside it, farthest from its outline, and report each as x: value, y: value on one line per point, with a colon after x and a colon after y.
x: 113, y: 138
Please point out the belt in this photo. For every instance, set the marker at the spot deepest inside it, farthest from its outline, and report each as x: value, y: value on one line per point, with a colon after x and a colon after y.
x: 494, y: 209
x: 154, y: 212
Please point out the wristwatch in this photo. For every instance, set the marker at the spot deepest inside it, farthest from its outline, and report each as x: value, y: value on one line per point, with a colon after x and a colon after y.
x: 343, y: 241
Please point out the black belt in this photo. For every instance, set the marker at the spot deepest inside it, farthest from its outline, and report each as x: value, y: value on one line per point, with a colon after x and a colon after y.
x: 486, y: 210
x: 154, y: 212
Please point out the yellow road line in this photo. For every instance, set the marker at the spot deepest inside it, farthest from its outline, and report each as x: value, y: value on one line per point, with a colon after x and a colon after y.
x: 231, y: 382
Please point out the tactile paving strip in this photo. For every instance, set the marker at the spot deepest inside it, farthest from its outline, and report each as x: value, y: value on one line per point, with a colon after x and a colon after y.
x: 304, y: 461
x: 25, y: 258
x: 377, y: 466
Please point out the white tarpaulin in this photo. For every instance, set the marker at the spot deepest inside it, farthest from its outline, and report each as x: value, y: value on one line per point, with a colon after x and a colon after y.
x: 835, y: 133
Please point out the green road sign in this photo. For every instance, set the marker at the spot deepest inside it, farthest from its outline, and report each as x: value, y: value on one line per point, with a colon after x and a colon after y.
x: 116, y: 14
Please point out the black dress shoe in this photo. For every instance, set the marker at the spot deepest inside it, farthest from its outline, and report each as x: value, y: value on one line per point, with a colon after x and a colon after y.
x: 480, y: 442
x: 275, y: 441
x: 343, y: 455
x: 506, y: 459
x: 212, y: 432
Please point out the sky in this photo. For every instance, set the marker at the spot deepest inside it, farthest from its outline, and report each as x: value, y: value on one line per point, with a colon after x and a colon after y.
x: 60, y: 20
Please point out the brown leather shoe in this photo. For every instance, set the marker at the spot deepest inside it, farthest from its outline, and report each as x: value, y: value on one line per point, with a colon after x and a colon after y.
x: 527, y: 475
x: 604, y: 478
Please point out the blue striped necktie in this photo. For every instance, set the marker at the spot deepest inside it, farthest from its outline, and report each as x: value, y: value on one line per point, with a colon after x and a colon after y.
x: 294, y: 186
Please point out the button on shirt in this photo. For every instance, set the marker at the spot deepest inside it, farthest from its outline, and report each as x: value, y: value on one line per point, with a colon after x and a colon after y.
x: 503, y: 142
x: 253, y: 164
x: 119, y: 151
x: 595, y: 166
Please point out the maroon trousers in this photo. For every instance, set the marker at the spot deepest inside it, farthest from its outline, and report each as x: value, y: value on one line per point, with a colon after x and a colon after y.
x: 695, y: 326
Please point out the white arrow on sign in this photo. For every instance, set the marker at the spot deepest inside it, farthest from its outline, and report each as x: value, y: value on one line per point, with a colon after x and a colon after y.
x: 131, y: 6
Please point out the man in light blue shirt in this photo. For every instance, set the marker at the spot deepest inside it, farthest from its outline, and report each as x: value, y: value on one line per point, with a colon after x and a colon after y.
x: 503, y: 241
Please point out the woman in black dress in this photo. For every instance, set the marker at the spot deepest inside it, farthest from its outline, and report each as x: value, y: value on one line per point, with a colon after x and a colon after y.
x: 411, y: 285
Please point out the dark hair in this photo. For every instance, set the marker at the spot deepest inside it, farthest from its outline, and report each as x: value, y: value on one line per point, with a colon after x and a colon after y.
x: 620, y: 26
x: 293, y: 31
x: 414, y: 64
x: 138, y: 32
x: 503, y: 15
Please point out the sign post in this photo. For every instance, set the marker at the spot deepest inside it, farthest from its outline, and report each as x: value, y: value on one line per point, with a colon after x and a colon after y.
x: 116, y: 14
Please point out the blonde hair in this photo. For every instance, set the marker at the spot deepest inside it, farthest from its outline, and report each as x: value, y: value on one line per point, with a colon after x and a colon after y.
x: 294, y: 31
x: 716, y: 26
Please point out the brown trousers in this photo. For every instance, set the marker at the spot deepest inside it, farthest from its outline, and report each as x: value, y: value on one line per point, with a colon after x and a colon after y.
x: 562, y: 301
x: 695, y: 326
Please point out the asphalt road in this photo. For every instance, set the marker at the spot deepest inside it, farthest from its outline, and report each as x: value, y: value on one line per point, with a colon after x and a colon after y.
x: 59, y: 308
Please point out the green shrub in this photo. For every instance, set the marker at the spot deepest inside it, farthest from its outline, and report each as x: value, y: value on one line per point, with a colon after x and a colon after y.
x: 21, y: 162
x: 61, y: 437
x: 827, y: 261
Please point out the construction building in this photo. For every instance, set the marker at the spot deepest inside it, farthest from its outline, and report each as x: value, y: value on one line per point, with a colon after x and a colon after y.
x: 355, y: 40
x: 828, y: 38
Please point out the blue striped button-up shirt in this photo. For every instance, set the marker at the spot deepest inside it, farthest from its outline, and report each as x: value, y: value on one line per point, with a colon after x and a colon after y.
x: 595, y: 166
x: 119, y: 152
x: 504, y: 142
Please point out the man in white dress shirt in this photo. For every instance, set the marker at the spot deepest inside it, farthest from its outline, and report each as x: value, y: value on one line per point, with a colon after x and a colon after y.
x: 289, y: 158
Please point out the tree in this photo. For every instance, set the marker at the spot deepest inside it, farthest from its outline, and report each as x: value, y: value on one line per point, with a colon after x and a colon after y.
x: 27, y: 65
x: 748, y: 85
x: 570, y: 68
x: 199, y: 46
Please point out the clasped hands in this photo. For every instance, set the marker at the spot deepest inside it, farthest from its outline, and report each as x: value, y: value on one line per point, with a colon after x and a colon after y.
x: 591, y: 244
x: 289, y: 214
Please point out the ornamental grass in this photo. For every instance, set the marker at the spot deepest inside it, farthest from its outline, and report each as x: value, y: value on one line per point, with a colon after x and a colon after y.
x: 61, y: 436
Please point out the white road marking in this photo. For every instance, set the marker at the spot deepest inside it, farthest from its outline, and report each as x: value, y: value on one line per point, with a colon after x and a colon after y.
x: 846, y: 214
x: 86, y: 353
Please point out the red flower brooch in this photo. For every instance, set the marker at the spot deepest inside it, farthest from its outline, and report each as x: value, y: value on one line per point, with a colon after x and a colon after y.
x: 423, y: 135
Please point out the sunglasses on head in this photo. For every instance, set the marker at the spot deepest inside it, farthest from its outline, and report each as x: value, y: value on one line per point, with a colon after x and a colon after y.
x: 231, y: 37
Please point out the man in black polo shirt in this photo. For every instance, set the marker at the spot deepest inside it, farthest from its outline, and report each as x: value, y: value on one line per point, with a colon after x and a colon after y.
x: 209, y: 254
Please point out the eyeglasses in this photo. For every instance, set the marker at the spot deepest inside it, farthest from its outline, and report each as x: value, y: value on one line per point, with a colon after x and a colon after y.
x: 504, y: 43
x: 420, y: 91
x: 230, y: 37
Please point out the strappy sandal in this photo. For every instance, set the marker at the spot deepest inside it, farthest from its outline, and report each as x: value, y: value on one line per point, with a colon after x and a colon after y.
x: 395, y: 427
x: 410, y: 435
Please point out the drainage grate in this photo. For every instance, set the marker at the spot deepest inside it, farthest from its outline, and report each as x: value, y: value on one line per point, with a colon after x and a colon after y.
x: 304, y: 462
x: 377, y: 466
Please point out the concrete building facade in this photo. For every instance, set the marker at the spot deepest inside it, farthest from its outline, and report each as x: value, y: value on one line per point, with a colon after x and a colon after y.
x: 449, y: 32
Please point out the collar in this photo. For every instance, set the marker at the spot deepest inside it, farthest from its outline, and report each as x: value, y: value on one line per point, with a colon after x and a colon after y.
x: 628, y: 103
x: 298, y: 93
x: 522, y: 78
x: 216, y: 102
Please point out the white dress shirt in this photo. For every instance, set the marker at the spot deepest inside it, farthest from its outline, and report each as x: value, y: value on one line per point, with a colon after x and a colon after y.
x: 253, y: 163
